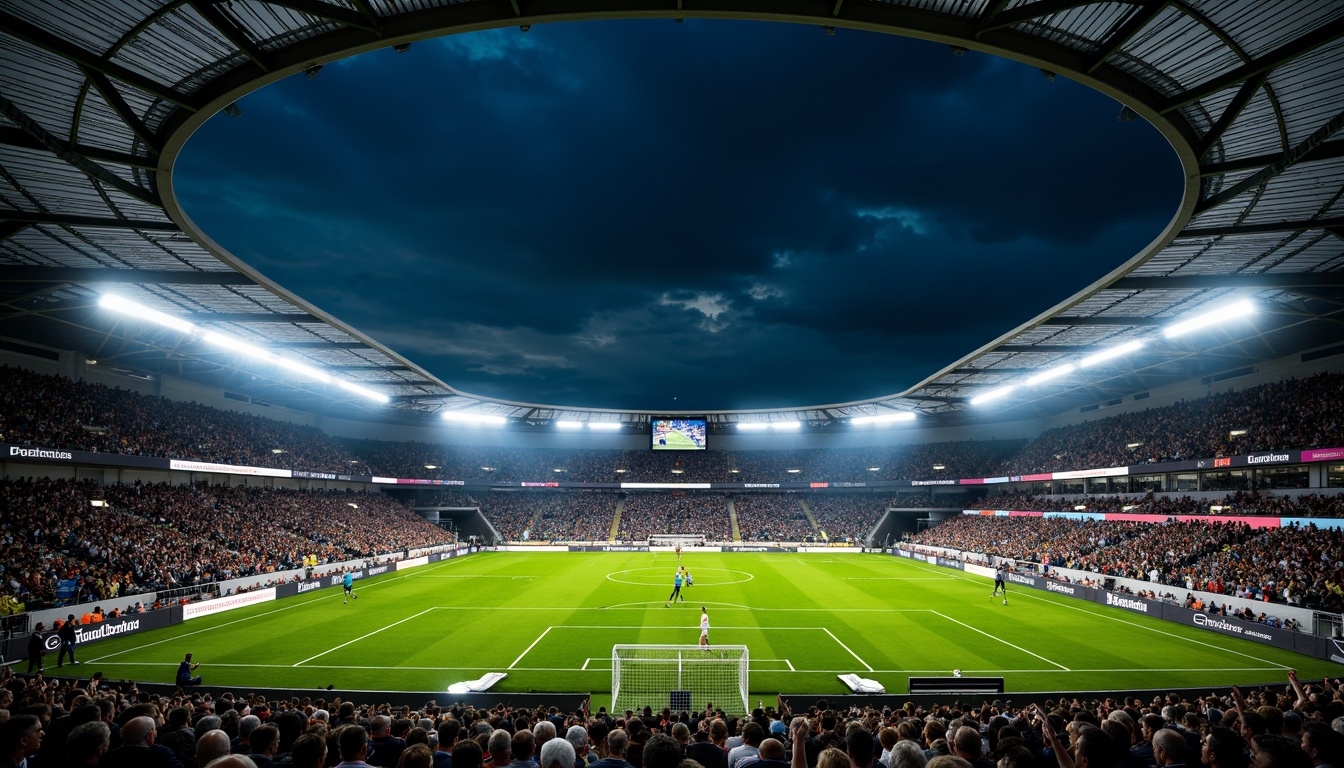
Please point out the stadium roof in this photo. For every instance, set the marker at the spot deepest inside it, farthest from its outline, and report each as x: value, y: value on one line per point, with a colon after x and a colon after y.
x: 97, y: 99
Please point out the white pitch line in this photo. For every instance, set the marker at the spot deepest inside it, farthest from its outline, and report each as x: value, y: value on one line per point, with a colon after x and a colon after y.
x: 530, y: 647
x: 361, y: 637
x: 1001, y: 640
x: 293, y: 603
x: 903, y: 670
x: 790, y: 663
x: 470, y: 576
x: 1068, y: 603
x: 585, y: 664
x: 846, y: 647
x: 897, y: 578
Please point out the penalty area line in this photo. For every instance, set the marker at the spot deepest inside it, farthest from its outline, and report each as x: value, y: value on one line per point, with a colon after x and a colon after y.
x: 533, y: 645
x: 361, y: 637
x: 846, y: 647
x: 1001, y: 640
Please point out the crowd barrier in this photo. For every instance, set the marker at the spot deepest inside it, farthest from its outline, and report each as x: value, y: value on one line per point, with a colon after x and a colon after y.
x: 1298, y: 642
x: 86, y: 634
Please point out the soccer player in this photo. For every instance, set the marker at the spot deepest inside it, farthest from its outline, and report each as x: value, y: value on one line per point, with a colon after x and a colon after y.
x: 676, y: 591
x: 704, y: 628
x: 349, y: 587
x: 687, y: 580
x: 1000, y: 582
x: 679, y: 556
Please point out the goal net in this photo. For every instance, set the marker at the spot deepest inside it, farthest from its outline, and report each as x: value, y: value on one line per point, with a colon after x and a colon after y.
x: 682, y: 677
x: 676, y: 539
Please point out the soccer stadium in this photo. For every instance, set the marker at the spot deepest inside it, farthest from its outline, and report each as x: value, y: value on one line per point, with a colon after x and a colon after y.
x: 239, y: 531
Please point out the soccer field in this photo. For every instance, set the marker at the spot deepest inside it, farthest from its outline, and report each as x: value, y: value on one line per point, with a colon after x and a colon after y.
x: 550, y: 619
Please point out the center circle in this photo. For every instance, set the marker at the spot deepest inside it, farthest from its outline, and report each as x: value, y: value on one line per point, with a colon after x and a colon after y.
x: 659, y: 577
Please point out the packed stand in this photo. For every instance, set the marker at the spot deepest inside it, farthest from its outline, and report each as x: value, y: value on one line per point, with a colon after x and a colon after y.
x: 55, y: 412
x: 1240, y: 503
x: 88, y: 722
x: 1299, y: 413
x: 551, y: 516
x: 645, y: 514
x: 771, y: 517
x: 146, y: 537
x: 1290, y: 565
x: 848, y: 518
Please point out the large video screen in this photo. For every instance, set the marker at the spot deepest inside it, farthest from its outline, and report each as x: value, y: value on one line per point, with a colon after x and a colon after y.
x: 678, y: 434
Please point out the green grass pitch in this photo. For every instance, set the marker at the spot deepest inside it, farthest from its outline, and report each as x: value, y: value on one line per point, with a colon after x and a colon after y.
x: 550, y: 619
x: 677, y: 440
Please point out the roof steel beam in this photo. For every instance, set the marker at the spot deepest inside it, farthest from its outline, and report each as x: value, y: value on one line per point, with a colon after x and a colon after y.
x: 79, y: 56
x: 33, y: 274
x: 65, y: 220
x: 1268, y: 172
x: 1276, y: 280
x: 1285, y: 53
x: 1261, y: 228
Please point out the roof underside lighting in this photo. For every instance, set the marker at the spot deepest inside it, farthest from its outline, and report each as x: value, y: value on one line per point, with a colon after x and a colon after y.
x: 1052, y: 373
x: 473, y: 418
x: 1212, y: 317
x: 1108, y: 354
x: 993, y: 394
x: 141, y: 312
x: 884, y: 418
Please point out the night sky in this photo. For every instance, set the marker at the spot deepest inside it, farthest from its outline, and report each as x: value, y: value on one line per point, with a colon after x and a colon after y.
x: 708, y: 215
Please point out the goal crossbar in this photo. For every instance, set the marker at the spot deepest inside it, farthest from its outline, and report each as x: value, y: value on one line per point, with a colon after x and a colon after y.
x: 682, y: 677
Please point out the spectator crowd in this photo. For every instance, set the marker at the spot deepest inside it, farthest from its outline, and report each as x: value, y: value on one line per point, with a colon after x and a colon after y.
x: 53, y: 412
x: 88, y: 722
x: 114, y: 540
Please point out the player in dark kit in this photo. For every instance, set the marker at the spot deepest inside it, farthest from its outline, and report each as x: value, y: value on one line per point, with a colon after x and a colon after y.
x: 1000, y: 583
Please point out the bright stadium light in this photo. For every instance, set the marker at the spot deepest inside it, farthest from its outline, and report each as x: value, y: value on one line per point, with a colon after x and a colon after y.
x: 1212, y: 317
x: 753, y: 426
x: 884, y: 418
x: 1052, y: 373
x: 605, y: 426
x: 473, y: 418
x: 777, y: 425
x: 350, y: 386
x: 1107, y: 354
x: 141, y: 312
x: 569, y: 425
x: 993, y: 394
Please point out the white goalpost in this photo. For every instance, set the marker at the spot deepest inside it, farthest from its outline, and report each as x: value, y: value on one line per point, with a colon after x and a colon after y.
x: 681, y: 677
x: 676, y: 540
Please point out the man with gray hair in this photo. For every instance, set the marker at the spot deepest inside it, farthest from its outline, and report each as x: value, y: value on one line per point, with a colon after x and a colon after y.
x: 577, y: 736
x: 907, y: 754
x: 138, y: 749
x: 384, y: 748
x: 1168, y: 748
x: 242, y: 744
x: 211, y: 745
x: 542, y: 732
x: 499, y: 746
x: 556, y: 753
x: 231, y: 761
x: 87, y: 743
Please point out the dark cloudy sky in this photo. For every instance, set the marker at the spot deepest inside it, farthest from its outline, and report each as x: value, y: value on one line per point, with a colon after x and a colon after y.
x: 705, y: 215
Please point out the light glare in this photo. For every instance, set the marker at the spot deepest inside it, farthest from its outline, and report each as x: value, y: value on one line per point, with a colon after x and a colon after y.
x: 1212, y: 317
x: 1107, y: 354
x: 1053, y: 373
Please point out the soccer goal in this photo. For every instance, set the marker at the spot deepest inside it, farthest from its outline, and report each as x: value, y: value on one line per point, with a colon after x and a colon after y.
x: 676, y: 540
x: 682, y: 677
